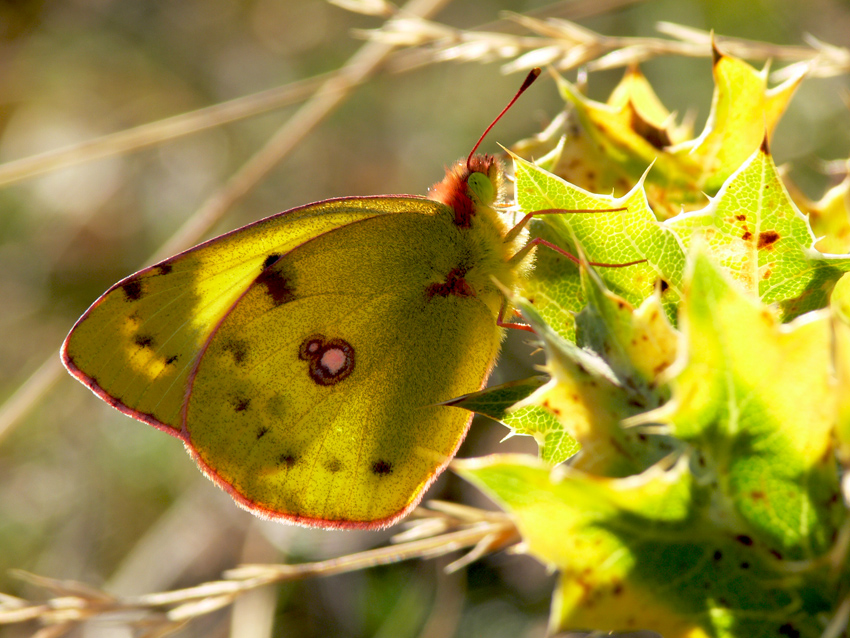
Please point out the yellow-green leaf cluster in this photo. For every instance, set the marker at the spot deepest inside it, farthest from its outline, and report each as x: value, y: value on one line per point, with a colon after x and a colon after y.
x: 702, y: 363
x: 615, y: 141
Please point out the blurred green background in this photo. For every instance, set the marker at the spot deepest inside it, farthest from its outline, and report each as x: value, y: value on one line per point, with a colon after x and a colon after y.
x: 88, y: 494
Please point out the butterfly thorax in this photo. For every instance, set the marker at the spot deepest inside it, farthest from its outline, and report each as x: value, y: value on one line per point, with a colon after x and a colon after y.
x: 470, y: 190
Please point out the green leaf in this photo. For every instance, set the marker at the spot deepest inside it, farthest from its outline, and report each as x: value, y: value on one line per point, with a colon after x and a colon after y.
x: 640, y: 553
x: 638, y: 345
x: 556, y: 445
x: 754, y: 230
x: 830, y: 219
x: 756, y: 401
x: 590, y: 402
x: 611, y: 144
x: 743, y: 112
x: 628, y: 134
x: 498, y: 402
x: 612, y: 238
x: 840, y: 307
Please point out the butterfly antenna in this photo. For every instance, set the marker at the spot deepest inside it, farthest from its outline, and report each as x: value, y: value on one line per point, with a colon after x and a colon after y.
x: 529, y: 80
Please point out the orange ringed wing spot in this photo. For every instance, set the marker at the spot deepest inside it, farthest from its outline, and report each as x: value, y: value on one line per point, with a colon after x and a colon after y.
x: 330, y: 361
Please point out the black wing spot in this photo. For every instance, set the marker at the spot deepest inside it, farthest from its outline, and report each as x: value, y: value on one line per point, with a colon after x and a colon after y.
x: 333, y: 466
x: 240, y: 403
x: 133, y: 290
x: 270, y: 260
x: 287, y: 459
x: 278, y: 286
x: 164, y: 269
x: 744, y: 540
x: 382, y: 468
x: 331, y: 360
x: 172, y: 359
x: 262, y: 432
x: 238, y: 349
x: 144, y: 341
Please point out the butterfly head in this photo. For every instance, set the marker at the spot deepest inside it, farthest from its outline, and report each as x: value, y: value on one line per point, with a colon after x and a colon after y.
x: 469, y: 185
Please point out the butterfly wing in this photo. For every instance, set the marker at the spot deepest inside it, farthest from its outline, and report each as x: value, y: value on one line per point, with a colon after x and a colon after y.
x: 314, y: 398
x: 136, y: 345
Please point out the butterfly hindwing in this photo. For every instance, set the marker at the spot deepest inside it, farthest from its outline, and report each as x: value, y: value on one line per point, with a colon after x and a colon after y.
x: 314, y: 398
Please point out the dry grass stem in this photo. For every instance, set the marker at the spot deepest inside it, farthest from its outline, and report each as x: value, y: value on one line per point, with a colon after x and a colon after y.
x: 566, y: 45
x: 153, y: 133
x: 74, y: 603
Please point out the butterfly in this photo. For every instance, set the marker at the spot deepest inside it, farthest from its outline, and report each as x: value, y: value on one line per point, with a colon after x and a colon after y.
x: 302, y: 358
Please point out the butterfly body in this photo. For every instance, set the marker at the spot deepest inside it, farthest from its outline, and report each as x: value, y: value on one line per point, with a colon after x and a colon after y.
x: 301, y: 358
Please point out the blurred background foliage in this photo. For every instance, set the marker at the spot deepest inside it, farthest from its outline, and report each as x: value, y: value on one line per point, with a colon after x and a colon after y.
x: 88, y: 494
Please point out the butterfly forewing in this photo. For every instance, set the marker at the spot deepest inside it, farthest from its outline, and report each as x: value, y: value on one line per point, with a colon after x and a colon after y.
x: 137, y: 344
x: 314, y: 399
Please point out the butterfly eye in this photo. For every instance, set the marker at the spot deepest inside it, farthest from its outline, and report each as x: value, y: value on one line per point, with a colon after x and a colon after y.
x: 481, y: 187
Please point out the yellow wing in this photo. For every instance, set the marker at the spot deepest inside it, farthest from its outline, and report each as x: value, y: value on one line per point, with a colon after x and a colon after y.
x: 137, y: 344
x: 313, y: 400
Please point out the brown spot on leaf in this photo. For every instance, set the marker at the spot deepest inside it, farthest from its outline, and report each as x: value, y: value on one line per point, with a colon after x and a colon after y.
x: 747, y: 236
x: 658, y: 137
x: 744, y: 539
x: 767, y: 239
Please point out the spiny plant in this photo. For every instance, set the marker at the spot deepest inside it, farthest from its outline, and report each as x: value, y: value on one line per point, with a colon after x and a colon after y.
x: 692, y: 414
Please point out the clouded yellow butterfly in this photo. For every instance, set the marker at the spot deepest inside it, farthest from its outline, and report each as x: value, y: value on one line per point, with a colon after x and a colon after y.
x: 301, y: 358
